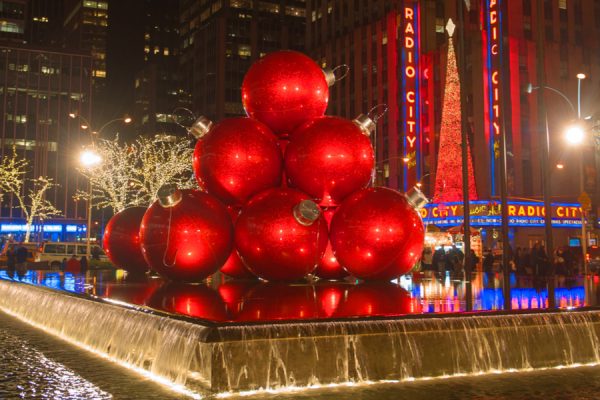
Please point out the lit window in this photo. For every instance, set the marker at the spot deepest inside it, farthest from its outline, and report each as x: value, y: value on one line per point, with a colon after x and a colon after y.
x: 439, y: 25
x: 244, y: 51
x: 241, y: 3
x: 40, y: 19
x: 156, y: 49
x: 98, y: 73
x: 146, y: 49
x: 295, y: 11
x: 268, y: 7
x: 146, y: 36
x: 49, y: 70
x: 165, y: 51
x: 20, y: 119
x: 137, y: 83
x: 562, y: 4
x: 10, y: 27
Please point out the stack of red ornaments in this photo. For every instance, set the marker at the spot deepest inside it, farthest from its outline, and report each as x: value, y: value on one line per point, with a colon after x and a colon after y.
x: 283, y: 192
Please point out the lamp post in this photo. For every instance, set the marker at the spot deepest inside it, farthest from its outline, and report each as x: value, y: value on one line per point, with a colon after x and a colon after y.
x: 90, y: 159
x: 574, y: 135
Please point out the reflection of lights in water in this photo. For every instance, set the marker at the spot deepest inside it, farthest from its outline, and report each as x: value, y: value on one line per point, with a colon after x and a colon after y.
x: 156, y: 378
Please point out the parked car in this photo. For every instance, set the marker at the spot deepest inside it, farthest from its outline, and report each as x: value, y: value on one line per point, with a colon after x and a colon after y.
x: 33, y: 251
x: 55, y: 252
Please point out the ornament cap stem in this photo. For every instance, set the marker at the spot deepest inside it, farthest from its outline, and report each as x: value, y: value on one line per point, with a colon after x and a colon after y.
x: 416, y: 198
x: 329, y: 76
x: 366, y: 124
x: 201, y: 126
x: 169, y: 195
x: 306, y: 212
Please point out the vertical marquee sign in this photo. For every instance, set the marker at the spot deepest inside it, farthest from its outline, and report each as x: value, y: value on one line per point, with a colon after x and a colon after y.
x: 492, y: 39
x: 410, y: 101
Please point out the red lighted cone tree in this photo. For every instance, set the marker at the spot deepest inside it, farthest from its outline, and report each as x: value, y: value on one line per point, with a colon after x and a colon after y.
x: 448, y: 180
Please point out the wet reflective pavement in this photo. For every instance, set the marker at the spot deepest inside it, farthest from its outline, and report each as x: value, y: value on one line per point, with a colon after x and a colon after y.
x: 35, y: 365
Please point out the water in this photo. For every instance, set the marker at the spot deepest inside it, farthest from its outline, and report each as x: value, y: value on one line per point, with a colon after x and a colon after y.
x: 323, y: 340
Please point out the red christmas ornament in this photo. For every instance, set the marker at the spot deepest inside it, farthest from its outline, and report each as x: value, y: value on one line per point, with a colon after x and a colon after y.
x: 135, y: 292
x: 186, y: 235
x: 377, y: 233
x: 330, y: 296
x: 329, y: 267
x: 121, y: 240
x: 234, y: 267
x: 196, y: 301
x: 376, y: 299
x: 339, y: 149
x: 284, y: 89
x: 281, y: 235
x: 279, y: 301
x: 236, y: 158
x: 233, y: 293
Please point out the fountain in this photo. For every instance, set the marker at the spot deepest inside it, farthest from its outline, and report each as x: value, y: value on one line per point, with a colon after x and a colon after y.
x: 249, y: 336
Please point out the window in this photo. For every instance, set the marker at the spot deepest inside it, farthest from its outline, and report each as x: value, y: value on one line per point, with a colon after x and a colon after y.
x: 244, y: 51
x: 562, y: 4
x: 10, y: 27
x: 98, y: 73
x: 268, y: 7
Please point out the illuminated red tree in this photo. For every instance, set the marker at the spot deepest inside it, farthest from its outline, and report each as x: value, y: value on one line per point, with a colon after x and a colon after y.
x: 448, y: 179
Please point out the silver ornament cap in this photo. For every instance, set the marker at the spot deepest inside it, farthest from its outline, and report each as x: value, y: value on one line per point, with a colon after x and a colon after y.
x: 329, y: 76
x: 201, y: 126
x: 416, y: 198
x: 169, y: 195
x: 306, y: 212
x: 366, y: 124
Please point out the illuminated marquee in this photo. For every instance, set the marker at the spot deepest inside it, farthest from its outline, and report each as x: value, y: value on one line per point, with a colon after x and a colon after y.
x: 411, y: 107
x: 492, y: 38
x: 484, y: 213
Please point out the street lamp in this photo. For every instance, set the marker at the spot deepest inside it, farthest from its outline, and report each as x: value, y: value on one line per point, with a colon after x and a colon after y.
x: 89, y: 159
x: 575, y: 135
x: 86, y: 124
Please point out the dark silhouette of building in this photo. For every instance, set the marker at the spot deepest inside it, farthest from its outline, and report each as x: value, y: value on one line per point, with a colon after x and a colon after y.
x: 221, y: 39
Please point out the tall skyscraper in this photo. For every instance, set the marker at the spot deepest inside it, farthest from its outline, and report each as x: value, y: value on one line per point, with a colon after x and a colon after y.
x: 38, y: 89
x: 221, y: 39
x: 13, y: 15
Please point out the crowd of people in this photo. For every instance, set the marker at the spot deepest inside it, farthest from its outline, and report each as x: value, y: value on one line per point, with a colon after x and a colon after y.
x: 532, y: 261
x: 17, y: 262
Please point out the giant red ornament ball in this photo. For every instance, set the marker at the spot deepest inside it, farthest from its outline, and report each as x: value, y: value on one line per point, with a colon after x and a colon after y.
x: 234, y: 267
x: 186, y: 235
x: 284, y: 89
x: 236, y: 159
x: 281, y: 235
x: 341, y: 151
x: 121, y: 240
x: 329, y: 267
x: 377, y: 234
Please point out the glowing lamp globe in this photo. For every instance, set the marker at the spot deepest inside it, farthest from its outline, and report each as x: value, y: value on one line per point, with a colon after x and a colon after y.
x: 284, y: 89
x: 281, y: 235
x: 236, y: 159
x: 121, y: 240
x: 186, y: 235
x: 341, y: 151
x: 378, y: 234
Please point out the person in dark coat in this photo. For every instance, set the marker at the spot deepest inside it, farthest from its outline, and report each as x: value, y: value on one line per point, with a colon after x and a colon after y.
x: 84, y: 264
x: 11, y: 261
x: 21, y: 260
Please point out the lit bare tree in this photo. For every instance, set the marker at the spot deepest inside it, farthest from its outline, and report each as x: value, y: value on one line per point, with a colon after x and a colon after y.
x: 161, y: 162
x: 34, y: 204
x: 131, y: 174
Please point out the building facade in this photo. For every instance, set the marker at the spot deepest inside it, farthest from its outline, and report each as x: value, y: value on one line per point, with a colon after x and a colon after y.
x: 397, y: 52
x: 38, y: 90
x: 220, y: 39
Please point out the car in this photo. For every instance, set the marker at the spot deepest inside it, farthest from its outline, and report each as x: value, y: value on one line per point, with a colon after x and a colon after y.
x: 33, y: 251
x: 54, y: 253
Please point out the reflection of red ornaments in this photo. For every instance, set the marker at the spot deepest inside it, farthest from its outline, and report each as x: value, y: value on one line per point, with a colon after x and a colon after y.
x: 377, y: 234
x: 376, y: 299
x: 186, y: 235
x: 284, y: 89
x: 236, y: 159
x: 281, y: 236
x: 196, y: 301
x: 279, y: 301
x: 121, y: 240
x: 329, y: 267
x: 341, y: 152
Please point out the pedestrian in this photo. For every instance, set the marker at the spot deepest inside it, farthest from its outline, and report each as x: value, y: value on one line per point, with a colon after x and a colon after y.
x: 84, y: 264
x: 63, y: 264
x: 73, y: 265
x: 21, y: 260
x: 488, y: 261
x: 10, y: 261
